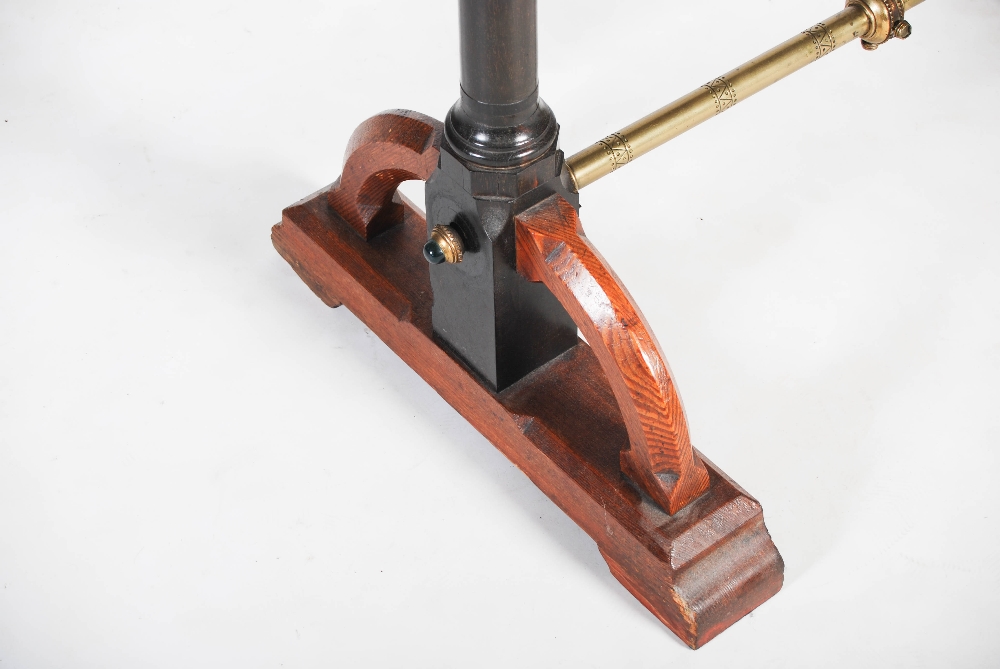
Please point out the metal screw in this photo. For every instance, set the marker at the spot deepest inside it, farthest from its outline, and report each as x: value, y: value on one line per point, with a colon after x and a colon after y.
x: 903, y: 30
x: 868, y: 46
x: 444, y: 246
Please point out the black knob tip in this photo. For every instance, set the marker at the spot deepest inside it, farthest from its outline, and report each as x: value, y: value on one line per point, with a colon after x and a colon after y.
x: 433, y: 253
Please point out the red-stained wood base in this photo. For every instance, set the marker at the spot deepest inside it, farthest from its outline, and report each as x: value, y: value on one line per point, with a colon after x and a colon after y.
x: 698, y: 571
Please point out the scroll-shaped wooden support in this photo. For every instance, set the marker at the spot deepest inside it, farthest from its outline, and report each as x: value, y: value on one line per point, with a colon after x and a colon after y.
x: 386, y: 150
x: 552, y: 247
x: 694, y: 550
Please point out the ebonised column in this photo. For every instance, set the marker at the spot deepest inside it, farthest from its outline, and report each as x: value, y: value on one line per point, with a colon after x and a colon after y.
x: 499, y: 156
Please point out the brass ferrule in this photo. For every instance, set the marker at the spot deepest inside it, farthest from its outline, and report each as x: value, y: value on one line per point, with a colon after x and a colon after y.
x: 886, y: 20
x: 873, y: 21
x: 449, y: 242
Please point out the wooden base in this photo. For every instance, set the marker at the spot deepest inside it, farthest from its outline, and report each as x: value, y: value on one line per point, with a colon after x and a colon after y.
x: 698, y: 571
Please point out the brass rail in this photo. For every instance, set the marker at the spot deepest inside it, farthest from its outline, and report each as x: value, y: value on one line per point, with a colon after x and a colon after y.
x: 873, y: 21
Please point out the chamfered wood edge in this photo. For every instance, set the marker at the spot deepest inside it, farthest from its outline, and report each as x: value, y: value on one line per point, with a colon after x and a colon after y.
x: 696, y: 596
x: 384, y: 151
x: 552, y: 248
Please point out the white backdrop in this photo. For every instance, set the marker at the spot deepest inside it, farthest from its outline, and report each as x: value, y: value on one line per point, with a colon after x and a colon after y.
x: 203, y: 466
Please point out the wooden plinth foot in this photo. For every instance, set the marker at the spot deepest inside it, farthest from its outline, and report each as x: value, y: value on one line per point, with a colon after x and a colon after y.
x: 721, y: 568
x: 699, y: 570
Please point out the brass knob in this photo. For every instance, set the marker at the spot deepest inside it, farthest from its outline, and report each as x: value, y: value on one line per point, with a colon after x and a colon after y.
x: 444, y: 246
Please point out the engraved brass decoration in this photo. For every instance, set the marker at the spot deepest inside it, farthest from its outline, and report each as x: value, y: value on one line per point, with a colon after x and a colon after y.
x: 822, y: 39
x: 723, y: 92
x: 872, y: 21
x: 618, y: 150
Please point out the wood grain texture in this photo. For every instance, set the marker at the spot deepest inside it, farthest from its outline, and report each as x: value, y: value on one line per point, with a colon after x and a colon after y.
x: 386, y: 150
x: 698, y: 570
x: 552, y: 248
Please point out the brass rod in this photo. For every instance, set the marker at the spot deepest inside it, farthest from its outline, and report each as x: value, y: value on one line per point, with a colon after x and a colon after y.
x: 713, y: 98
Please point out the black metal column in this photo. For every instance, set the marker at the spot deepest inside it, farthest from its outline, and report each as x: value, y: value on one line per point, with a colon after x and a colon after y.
x: 499, y: 53
x: 499, y: 120
x: 499, y: 156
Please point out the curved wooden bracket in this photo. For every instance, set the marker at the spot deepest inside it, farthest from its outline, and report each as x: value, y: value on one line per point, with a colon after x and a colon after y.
x: 384, y: 151
x: 552, y: 248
